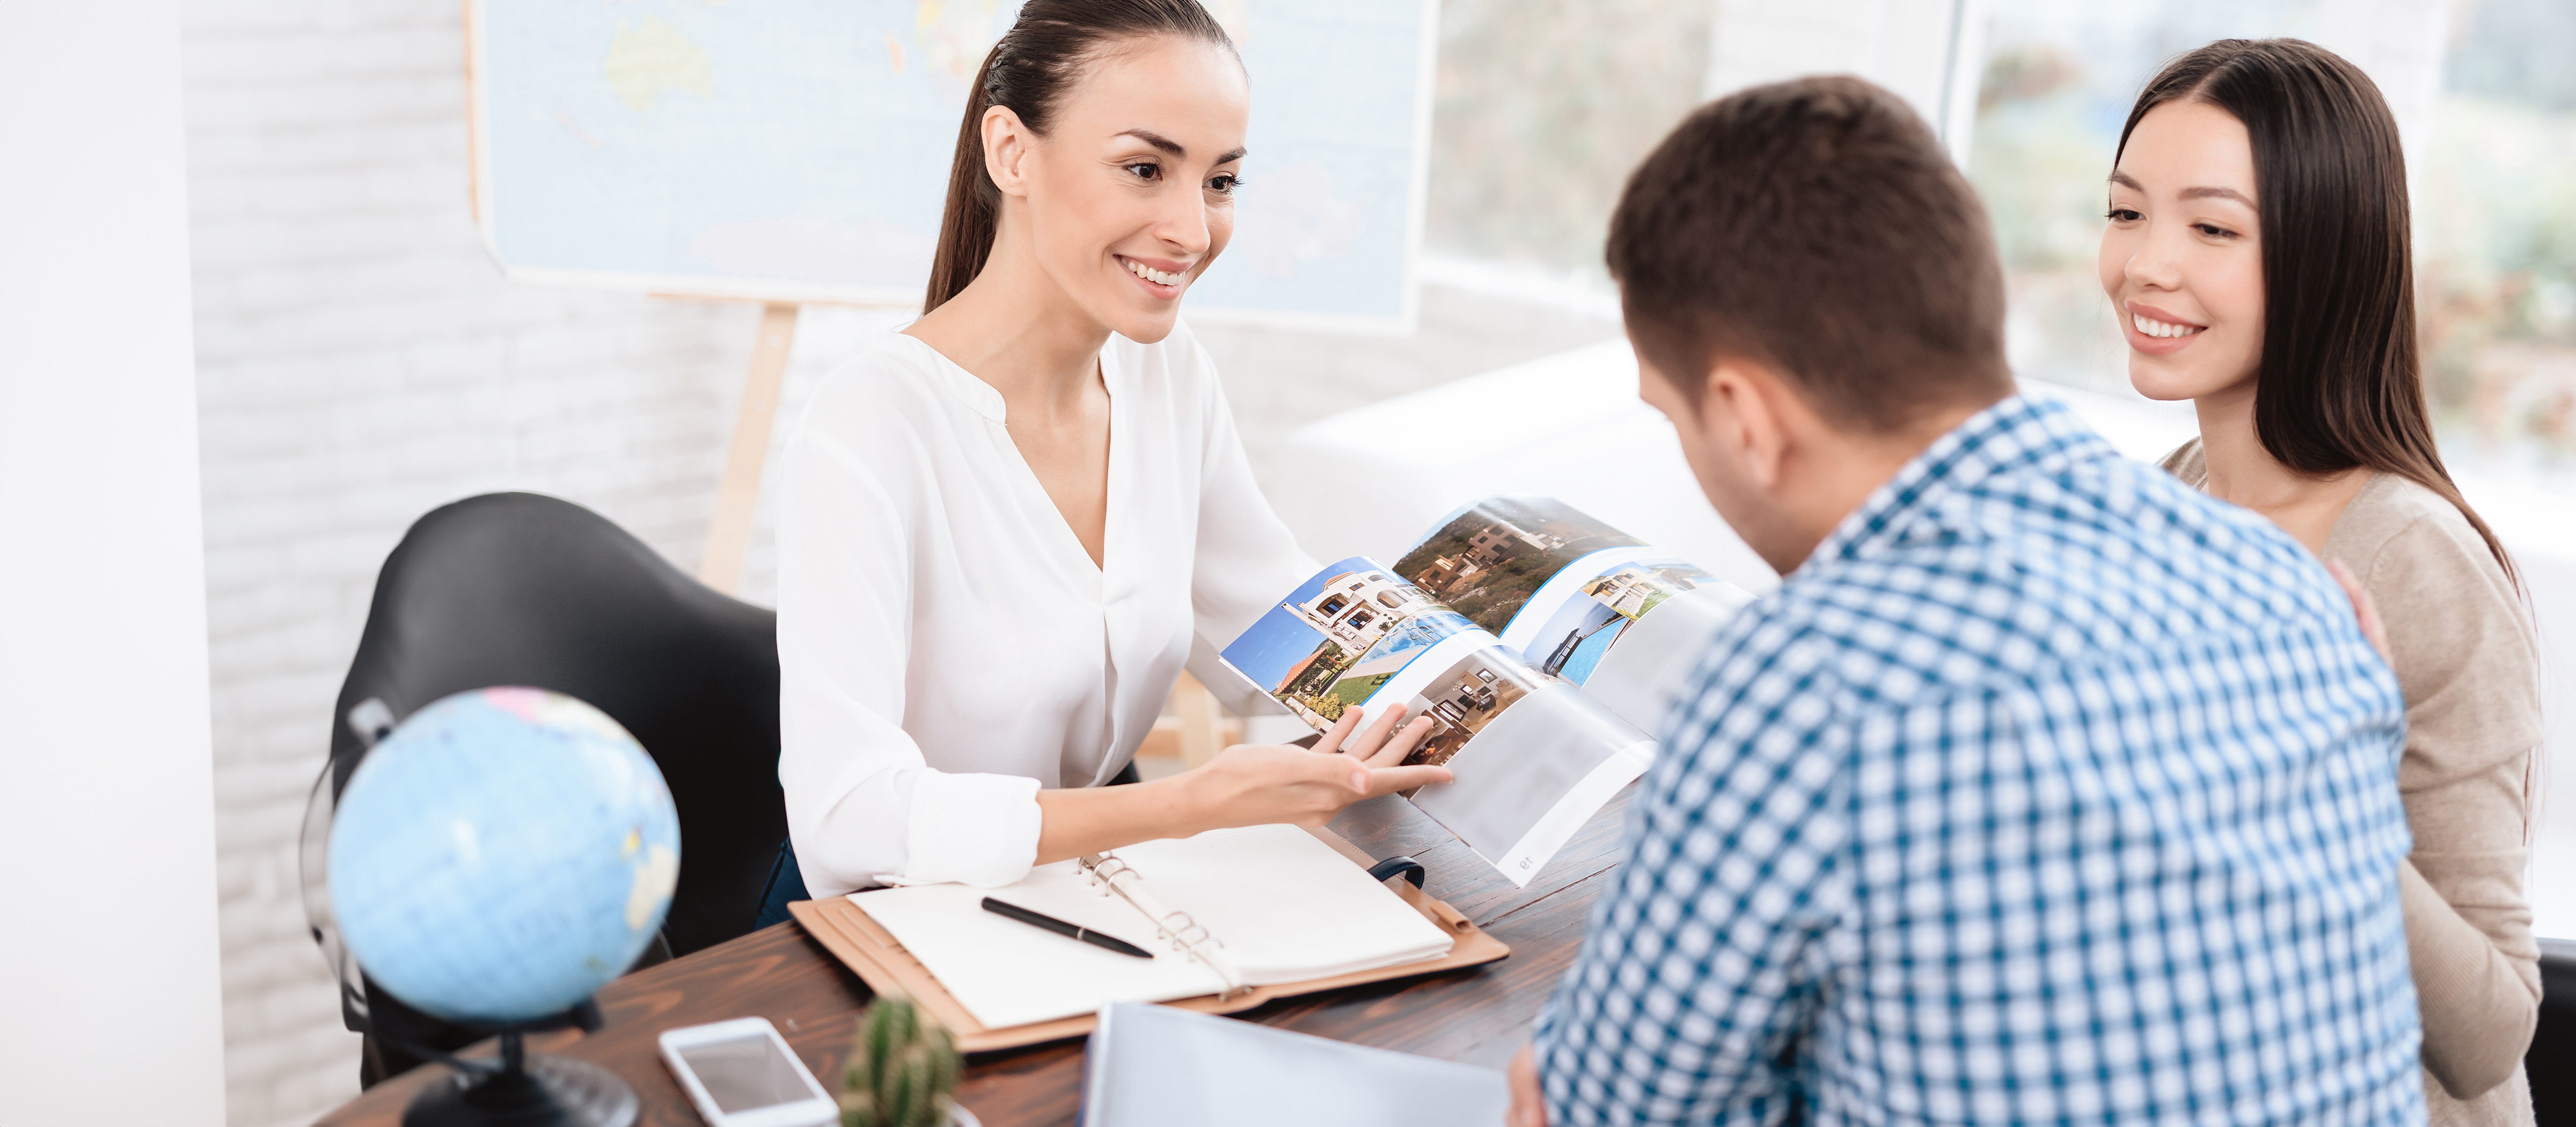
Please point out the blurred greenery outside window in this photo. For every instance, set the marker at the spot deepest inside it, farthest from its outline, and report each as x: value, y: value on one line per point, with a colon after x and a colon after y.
x: 1540, y: 110
x: 2493, y: 177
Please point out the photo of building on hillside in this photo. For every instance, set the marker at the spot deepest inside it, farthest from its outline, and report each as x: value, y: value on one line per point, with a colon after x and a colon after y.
x: 1465, y: 698
x: 1485, y: 561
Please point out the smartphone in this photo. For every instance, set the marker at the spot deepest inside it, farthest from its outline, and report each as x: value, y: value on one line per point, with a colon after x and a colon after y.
x: 741, y: 1073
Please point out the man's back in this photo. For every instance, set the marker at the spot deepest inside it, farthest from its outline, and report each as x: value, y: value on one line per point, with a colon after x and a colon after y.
x: 2047, y: 790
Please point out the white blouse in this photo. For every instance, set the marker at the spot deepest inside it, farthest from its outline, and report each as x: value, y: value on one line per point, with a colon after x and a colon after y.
x: 946, y: 647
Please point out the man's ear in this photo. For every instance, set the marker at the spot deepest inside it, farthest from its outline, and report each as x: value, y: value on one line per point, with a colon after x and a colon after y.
x: 1746, y: 398
x: 1006, y: 150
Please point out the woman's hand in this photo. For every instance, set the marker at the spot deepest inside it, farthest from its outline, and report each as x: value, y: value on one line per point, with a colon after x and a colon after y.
x: 1245, y: 785
x: 2363, y: 608
x: 1529, y: 1101
x: 1263, y: 784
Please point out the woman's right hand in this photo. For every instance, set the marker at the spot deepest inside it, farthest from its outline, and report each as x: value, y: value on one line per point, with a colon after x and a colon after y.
x: 1266, y: 784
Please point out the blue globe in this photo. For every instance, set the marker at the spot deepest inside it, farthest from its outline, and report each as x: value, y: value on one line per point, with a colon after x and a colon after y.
x: 502, y: 855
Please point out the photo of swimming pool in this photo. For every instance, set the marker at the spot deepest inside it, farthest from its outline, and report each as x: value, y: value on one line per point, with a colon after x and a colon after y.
x: 1587, y: 653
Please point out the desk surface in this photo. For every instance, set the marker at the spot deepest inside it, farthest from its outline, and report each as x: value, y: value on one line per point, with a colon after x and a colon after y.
x: 1480, y: 1015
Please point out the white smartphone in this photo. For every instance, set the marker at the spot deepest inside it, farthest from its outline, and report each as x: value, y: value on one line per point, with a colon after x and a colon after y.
x: 741, y: 1073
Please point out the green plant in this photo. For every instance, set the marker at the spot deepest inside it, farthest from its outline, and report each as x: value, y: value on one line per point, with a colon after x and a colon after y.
x: 901, y: 1070
x: 1328, y: 707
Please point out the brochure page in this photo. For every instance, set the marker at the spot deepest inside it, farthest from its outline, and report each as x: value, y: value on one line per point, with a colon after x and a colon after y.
x: 1577, y: 599
x: 1544, y: 646
x: 1534, y: 757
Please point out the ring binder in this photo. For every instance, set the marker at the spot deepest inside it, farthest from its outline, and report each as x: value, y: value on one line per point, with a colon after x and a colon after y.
x: 879, y: 957
x: 1187, y: 936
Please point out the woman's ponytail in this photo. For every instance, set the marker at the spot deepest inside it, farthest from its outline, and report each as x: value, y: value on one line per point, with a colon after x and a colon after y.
x: 973, y: 211
x: 1028, y: 71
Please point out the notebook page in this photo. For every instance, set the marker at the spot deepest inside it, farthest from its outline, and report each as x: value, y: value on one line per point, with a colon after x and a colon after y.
x: 1009, y: 973
x: 1285, y: 905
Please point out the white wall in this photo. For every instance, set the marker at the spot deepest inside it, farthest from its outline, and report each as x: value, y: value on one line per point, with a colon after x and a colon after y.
x: 108, y: 996
x: 361, y: 362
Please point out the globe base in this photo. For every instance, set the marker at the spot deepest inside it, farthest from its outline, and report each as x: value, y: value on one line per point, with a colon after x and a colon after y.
x: 544, y: 1092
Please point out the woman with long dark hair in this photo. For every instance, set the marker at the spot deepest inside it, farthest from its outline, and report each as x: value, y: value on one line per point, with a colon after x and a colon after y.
x: 2258, y: 256
x: 1003, y: 528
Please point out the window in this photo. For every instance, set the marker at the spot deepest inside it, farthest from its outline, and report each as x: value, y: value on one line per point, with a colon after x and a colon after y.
x: 2487, y: 102
x: 2495, y: 208
x: 1541, y: 110
x: 2058, y: 82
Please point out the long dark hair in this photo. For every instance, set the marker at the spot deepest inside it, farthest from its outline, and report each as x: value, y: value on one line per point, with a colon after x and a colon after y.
x: 2340, y: 384
x: 1028, y: 71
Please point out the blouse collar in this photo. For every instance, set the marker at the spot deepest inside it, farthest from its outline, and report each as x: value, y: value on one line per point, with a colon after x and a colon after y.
x: 983, y: 398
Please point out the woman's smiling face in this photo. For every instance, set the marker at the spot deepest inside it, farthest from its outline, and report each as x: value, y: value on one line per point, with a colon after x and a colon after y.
x: 1130, y: 195
x: 2181, y: 256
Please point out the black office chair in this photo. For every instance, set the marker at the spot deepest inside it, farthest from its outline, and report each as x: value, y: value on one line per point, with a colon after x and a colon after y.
x: 2551, y: 1060
x: 522, y: 589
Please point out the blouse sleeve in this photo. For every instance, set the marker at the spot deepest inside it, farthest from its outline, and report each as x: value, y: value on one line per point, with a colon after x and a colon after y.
x: 863, y: 807
x: 2462, y: 654
x: 1247, y: 560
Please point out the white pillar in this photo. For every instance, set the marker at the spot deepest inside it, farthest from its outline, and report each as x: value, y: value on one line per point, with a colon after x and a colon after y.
x: 110, y: 1003
x: 1927, y: 51
x: 2400, y: 44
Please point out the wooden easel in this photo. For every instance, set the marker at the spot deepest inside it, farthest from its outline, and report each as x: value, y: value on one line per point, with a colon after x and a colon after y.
x: 738, y: 499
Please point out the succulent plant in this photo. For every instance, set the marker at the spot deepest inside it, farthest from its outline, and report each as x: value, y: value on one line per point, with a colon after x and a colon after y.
x: 902, y: 1069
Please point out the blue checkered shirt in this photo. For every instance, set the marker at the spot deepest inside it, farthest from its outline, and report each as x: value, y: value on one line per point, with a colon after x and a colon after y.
x: 2046, y: 791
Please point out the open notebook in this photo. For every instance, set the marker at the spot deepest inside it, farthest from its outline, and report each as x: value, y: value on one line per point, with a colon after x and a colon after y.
x: 1224, y: 911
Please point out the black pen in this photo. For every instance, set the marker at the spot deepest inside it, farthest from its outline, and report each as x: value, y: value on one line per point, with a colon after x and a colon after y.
x: 1060, y: 927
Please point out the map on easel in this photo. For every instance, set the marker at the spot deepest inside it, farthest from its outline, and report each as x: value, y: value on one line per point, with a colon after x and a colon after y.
x: 798, y: 151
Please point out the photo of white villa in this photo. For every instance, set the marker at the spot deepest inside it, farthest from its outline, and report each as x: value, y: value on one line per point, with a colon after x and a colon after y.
x: 1355, y: 609
x: 1628, y: 592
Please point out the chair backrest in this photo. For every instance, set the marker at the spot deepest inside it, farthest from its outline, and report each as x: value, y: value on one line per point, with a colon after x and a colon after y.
x: 2550, y: 1063
x: 523, y: 589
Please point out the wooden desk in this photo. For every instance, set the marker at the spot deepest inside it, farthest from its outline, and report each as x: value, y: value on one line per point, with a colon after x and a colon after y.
x: 1480, y: 1015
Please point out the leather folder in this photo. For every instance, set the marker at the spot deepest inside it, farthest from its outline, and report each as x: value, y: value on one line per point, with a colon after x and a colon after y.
x: 880, y: 961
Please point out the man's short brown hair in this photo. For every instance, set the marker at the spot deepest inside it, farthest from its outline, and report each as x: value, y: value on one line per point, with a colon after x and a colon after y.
x: 1817, y: 228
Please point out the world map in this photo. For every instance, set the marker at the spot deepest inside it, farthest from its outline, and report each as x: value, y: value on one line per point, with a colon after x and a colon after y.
x: 798, y: 150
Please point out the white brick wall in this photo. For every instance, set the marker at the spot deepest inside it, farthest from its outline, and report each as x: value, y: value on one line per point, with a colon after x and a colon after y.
x: 360, y: 362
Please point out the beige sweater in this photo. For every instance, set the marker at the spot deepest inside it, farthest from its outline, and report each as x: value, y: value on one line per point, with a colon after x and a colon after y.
x: 2464, y: 655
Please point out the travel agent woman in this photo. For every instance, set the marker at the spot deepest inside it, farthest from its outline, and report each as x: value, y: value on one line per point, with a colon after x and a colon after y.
x: 2257, y: 254
x: 1001, y: 527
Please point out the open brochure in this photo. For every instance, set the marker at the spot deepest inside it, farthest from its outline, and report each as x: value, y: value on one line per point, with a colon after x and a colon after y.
x: 1543, y: 644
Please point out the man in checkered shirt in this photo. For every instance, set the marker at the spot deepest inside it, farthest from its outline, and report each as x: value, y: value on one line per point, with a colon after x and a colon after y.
x: 2044, y: 789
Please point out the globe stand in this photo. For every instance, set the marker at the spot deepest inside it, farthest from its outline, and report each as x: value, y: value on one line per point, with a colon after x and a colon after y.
x: 525, y: 1091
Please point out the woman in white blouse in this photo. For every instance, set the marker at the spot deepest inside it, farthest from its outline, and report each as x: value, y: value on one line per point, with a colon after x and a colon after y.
x: 1002, y: 526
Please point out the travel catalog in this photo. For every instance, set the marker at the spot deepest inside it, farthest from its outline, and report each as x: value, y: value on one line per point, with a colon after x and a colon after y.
x: 1543, y: 644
